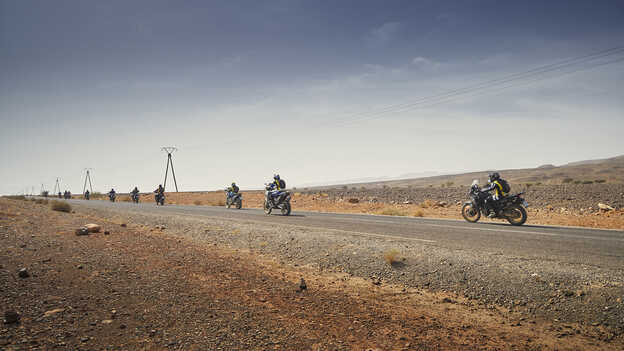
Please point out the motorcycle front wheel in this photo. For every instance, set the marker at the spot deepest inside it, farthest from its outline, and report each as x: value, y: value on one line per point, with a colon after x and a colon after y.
x: 515, y: 215
x: 267, y: 208
x: 227, y: 203
x: 286, y: 209
x: 470, y: 213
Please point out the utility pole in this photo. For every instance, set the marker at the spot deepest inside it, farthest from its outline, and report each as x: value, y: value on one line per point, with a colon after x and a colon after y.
x: 87, y: 177
x: 169, y: 150
x: 57, y: 186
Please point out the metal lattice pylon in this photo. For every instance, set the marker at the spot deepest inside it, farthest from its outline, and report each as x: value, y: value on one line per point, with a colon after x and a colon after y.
x: 87, y: 177
x: 169, y: 150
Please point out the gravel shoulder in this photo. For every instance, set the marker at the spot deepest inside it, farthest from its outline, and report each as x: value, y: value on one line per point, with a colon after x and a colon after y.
x: 185, y: 282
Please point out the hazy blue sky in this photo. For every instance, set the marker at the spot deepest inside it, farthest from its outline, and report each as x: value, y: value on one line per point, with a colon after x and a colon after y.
x: 249, y: 88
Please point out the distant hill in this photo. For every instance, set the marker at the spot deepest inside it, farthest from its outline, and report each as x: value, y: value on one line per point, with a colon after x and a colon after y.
x: 609, y: 170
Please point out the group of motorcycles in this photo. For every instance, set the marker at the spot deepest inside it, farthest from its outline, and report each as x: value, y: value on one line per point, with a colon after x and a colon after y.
x: 511, y: 208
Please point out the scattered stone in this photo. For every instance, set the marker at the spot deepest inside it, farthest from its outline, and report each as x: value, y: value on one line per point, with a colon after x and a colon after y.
x: 605, y: 207
x: 122, y: 326
x: 11, y: 317
x: 53, y: 312
x: 85, y: 339
x: 80, y: 266
x: 124, y: 225
x: 302, y: 285
x: 107, y: 321
x: 82, y: 231
x: 93, y: 228
x: 407, y: 202
x: 106, y: 232
x: 376, y: 281
x: 23, y: 273
x: 448, y: 300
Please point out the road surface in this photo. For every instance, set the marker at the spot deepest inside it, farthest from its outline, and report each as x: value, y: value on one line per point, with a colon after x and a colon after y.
x: 600, y: 248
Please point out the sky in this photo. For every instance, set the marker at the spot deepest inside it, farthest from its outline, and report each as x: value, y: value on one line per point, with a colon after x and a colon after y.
x: 317, y: 91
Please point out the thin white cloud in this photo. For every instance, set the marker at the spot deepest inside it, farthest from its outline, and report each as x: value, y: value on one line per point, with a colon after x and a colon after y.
x: 382, y: 35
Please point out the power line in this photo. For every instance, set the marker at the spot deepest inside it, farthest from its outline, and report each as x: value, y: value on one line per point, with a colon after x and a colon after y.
x: 536, y: 72
x: 169, y: 150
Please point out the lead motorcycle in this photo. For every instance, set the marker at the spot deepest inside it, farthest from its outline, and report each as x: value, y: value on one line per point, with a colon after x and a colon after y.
x: 233, y: 199
x: 135, y: 197
x: 513, y: 207
x: 280, y: 202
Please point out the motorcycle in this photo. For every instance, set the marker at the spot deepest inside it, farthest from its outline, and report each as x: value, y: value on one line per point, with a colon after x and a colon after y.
x: 281, y: 202
x: 87, y: 196
x: 512, y: 207
x: 160, y: 199
x: 135, y: 197
x: 112, y: 197
x: 233, y: 199
x: 67, y: 195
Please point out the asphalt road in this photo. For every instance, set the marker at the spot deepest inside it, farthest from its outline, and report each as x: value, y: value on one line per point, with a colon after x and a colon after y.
x: 601, y: 248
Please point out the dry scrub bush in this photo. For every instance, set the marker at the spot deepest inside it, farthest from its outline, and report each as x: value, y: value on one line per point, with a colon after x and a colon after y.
x: 197, y: 203
x: 16, y: 197
x: 391, y: 256
x: 41, y: 201
x: 419, y: 213
x: 392, y: 211
x: 427, y: 204
x: 60, y: 206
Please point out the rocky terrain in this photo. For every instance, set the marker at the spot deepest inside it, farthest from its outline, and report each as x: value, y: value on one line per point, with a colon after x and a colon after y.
x: 569, y: 196
x: 152, y: 281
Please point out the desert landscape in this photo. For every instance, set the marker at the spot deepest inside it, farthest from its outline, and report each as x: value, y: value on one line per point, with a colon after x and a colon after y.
x: 154, y: 282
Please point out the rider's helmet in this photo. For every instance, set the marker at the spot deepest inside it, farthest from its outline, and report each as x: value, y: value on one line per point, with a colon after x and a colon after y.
x: 233, y: 184
x: 276, y: 177
x: 493, y: 176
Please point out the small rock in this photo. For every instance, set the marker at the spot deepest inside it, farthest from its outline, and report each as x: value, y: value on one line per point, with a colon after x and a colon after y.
x: 11, y: 317
x: 80, y: 266
x: 23, y: 273
x: 124, y: 225
x: 85, y: 339
x: 93, y: 228
x: 82, y: 231
x: 53, y: 312
x: 353, y: 201
x: 302, y: 285
x: 106, y: 232
x: 448, y: 300
x: 605, y: 207
x: 107, y: 321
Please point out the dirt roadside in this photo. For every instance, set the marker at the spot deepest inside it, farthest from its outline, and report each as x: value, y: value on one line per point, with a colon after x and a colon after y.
x: 138, y: 288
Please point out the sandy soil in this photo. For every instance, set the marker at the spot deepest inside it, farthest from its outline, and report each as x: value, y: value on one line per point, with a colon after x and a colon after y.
x: 146, y: 288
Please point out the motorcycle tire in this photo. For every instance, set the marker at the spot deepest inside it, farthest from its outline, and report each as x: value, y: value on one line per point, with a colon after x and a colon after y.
x: 286, y: 209
x: 239, y: 204
x: 227, y: 203
x: 470, y: 214
x: 267, y: 208
x: 519, y: 215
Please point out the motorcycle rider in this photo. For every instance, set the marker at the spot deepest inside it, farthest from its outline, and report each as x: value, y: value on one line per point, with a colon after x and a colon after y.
x: 495, y: 182
x: 233, y: 190
x: 86, y: 194
x: 276, y: 187
x: 111, y: 194
x: 134, y: 192
x: 159, y: 192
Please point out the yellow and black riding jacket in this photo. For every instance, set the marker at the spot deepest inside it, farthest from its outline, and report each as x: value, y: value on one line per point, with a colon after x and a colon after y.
x: 496, y: 185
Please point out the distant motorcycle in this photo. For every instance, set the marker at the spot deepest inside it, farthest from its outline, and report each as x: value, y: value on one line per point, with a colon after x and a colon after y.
x: 513, y: 207
x: 160, y: 199
x: 135, y: 197
x: 67, y: 195
x: 281, y: 201
x: 112, y: 197
x: 87, y: 196
x: 233, y: 199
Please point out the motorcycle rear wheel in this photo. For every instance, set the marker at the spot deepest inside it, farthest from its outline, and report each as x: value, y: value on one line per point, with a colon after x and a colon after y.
x: 470, y: 214
x: 515, y: 215
x: 239, y: 204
